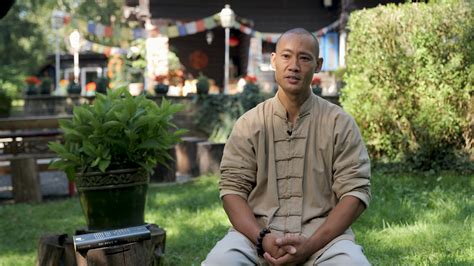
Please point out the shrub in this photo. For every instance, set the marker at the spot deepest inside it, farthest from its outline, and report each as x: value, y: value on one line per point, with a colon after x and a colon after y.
x: 46, y: 85
x: 215, y: 110
x: 102, y: 85
x: 202, y: 85
x: 5, y: 104
x: 409, y: 81
x: 118, y: 131
x: 251, y: 95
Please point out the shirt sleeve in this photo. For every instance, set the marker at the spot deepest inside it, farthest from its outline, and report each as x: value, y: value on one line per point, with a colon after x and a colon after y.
x: 239, y: 165
x: 351, y: 164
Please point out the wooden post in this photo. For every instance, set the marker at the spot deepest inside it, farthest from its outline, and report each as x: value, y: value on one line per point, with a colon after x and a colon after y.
x: 163, y: 173
x: 186, y: 156
x: 209, y: 157
x: 25, y: 180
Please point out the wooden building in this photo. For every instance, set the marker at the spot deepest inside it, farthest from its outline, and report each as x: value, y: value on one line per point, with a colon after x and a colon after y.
x: 266, y: 16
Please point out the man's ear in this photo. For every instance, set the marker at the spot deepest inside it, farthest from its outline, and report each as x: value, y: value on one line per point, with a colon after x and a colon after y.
x: 272, y: 61
x: 319, y: 65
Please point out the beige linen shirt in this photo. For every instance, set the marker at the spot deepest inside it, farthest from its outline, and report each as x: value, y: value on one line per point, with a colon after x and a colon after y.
x: 292, y: 181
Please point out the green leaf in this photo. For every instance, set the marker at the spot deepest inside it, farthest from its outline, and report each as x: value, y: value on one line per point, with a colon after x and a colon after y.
x: 103, y: 165
x: 57, y: 164
x: 57, y: 147
x: 149, y: 144
x: 96, y: 162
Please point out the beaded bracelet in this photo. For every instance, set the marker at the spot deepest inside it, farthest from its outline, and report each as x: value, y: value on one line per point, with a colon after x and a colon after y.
x: 260, y: 237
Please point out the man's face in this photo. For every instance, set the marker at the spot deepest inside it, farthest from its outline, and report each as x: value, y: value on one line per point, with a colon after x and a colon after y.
x: 295, y: 62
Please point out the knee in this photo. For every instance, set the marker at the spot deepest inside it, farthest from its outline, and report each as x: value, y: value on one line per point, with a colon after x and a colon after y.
x: 343, y: 253
x: 345, y: 259
x: 228, y: 257
x: 357, y: 260
x: 215, y: 258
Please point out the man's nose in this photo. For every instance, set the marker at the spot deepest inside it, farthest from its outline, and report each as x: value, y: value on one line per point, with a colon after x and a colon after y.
x: 293, y: 65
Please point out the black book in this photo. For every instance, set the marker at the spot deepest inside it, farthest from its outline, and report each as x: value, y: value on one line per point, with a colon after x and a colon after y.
x: 112, y: 237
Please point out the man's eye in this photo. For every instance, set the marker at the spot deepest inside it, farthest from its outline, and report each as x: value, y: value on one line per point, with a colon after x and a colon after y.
x: 285, y: 56
x: 305, y: 58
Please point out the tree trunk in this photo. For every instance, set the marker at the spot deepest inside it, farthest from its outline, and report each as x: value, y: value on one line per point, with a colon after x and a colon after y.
x: 25, y: 180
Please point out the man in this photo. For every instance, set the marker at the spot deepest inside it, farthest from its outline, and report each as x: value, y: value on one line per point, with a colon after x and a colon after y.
x: 295, y: 172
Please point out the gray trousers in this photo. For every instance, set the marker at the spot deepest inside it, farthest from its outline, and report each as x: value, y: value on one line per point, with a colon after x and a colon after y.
x: 236, y: 249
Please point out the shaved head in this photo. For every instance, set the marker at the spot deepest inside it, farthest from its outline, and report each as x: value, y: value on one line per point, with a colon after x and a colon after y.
x: 300, y: 31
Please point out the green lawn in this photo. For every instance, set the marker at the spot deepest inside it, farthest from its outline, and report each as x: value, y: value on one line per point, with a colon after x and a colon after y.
x: 412, y: 220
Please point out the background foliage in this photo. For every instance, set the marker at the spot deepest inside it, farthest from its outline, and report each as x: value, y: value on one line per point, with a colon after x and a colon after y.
x: 410, y: 81
x: 217, y: 113
x: 26, y: 36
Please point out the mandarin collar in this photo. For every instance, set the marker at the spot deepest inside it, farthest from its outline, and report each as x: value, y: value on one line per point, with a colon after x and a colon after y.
x: 280, y: 110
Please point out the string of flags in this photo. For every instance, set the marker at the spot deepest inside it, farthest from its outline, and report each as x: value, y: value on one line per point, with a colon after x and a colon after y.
x: 180, y: 30
x: 172, y: 31
x: 103, y: 49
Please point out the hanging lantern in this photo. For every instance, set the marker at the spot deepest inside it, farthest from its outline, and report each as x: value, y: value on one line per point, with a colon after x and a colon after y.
x: 234, y: 41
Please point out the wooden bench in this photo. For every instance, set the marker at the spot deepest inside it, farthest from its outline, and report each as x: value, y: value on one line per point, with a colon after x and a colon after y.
x: 24, y: 142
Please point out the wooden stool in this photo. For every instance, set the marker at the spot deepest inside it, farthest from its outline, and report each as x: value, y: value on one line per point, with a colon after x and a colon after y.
x: 59, y: 250
x: 147, y: 252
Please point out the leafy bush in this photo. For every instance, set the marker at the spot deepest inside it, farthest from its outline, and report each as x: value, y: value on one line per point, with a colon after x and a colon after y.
x: 211, y: 110
x: 217, y: 113
x: 5, y: 103
x: 46, y: 85
x: 202, y: 85
x: 102, y: 85
x: 251, y: 96
x: 118, y: 131
x: 409, y: 81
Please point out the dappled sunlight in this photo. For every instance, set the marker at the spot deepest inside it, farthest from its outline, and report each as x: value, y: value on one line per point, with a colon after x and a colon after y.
x: 412, y: 220
x: 418, y: 220
x: 410, y: 243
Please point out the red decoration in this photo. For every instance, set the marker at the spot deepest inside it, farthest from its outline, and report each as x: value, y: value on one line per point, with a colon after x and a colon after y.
x: 66, y: 20
x: 251, y: 79
x: 198, y: 60
x: 91, y: 86
x: 234, y: 41
x: 316, y: 81
x: 32, y: 80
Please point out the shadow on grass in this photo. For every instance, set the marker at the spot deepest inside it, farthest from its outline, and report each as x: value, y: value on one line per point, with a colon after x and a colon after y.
x: 190, y: 246
x: 23, y: 224
x: 198, y: 194
x: 406, y: 199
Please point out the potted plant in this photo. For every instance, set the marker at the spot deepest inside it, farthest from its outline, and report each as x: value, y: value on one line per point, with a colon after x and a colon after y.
x: 202, y: 84
x: 73, y: 88
x: 251, y: 95
x: 316, y: 85
x: 46, y: 85
x: 32, y: 83
x: 109, y: 150
x: 161, y: 88
x: 102, y: 85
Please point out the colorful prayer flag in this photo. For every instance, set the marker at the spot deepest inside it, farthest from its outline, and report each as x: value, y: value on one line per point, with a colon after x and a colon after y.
x: 182, y: 30
x: 209, y: 23
x: 200, y: 25
x: 108, y: 31
x: 191, y: 27
x: 173, y: 31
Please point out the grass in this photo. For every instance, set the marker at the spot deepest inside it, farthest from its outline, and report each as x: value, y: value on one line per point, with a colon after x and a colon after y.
x: 412, y: 220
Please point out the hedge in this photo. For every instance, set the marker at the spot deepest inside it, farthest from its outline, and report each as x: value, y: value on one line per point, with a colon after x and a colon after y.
x: 409, y: 81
